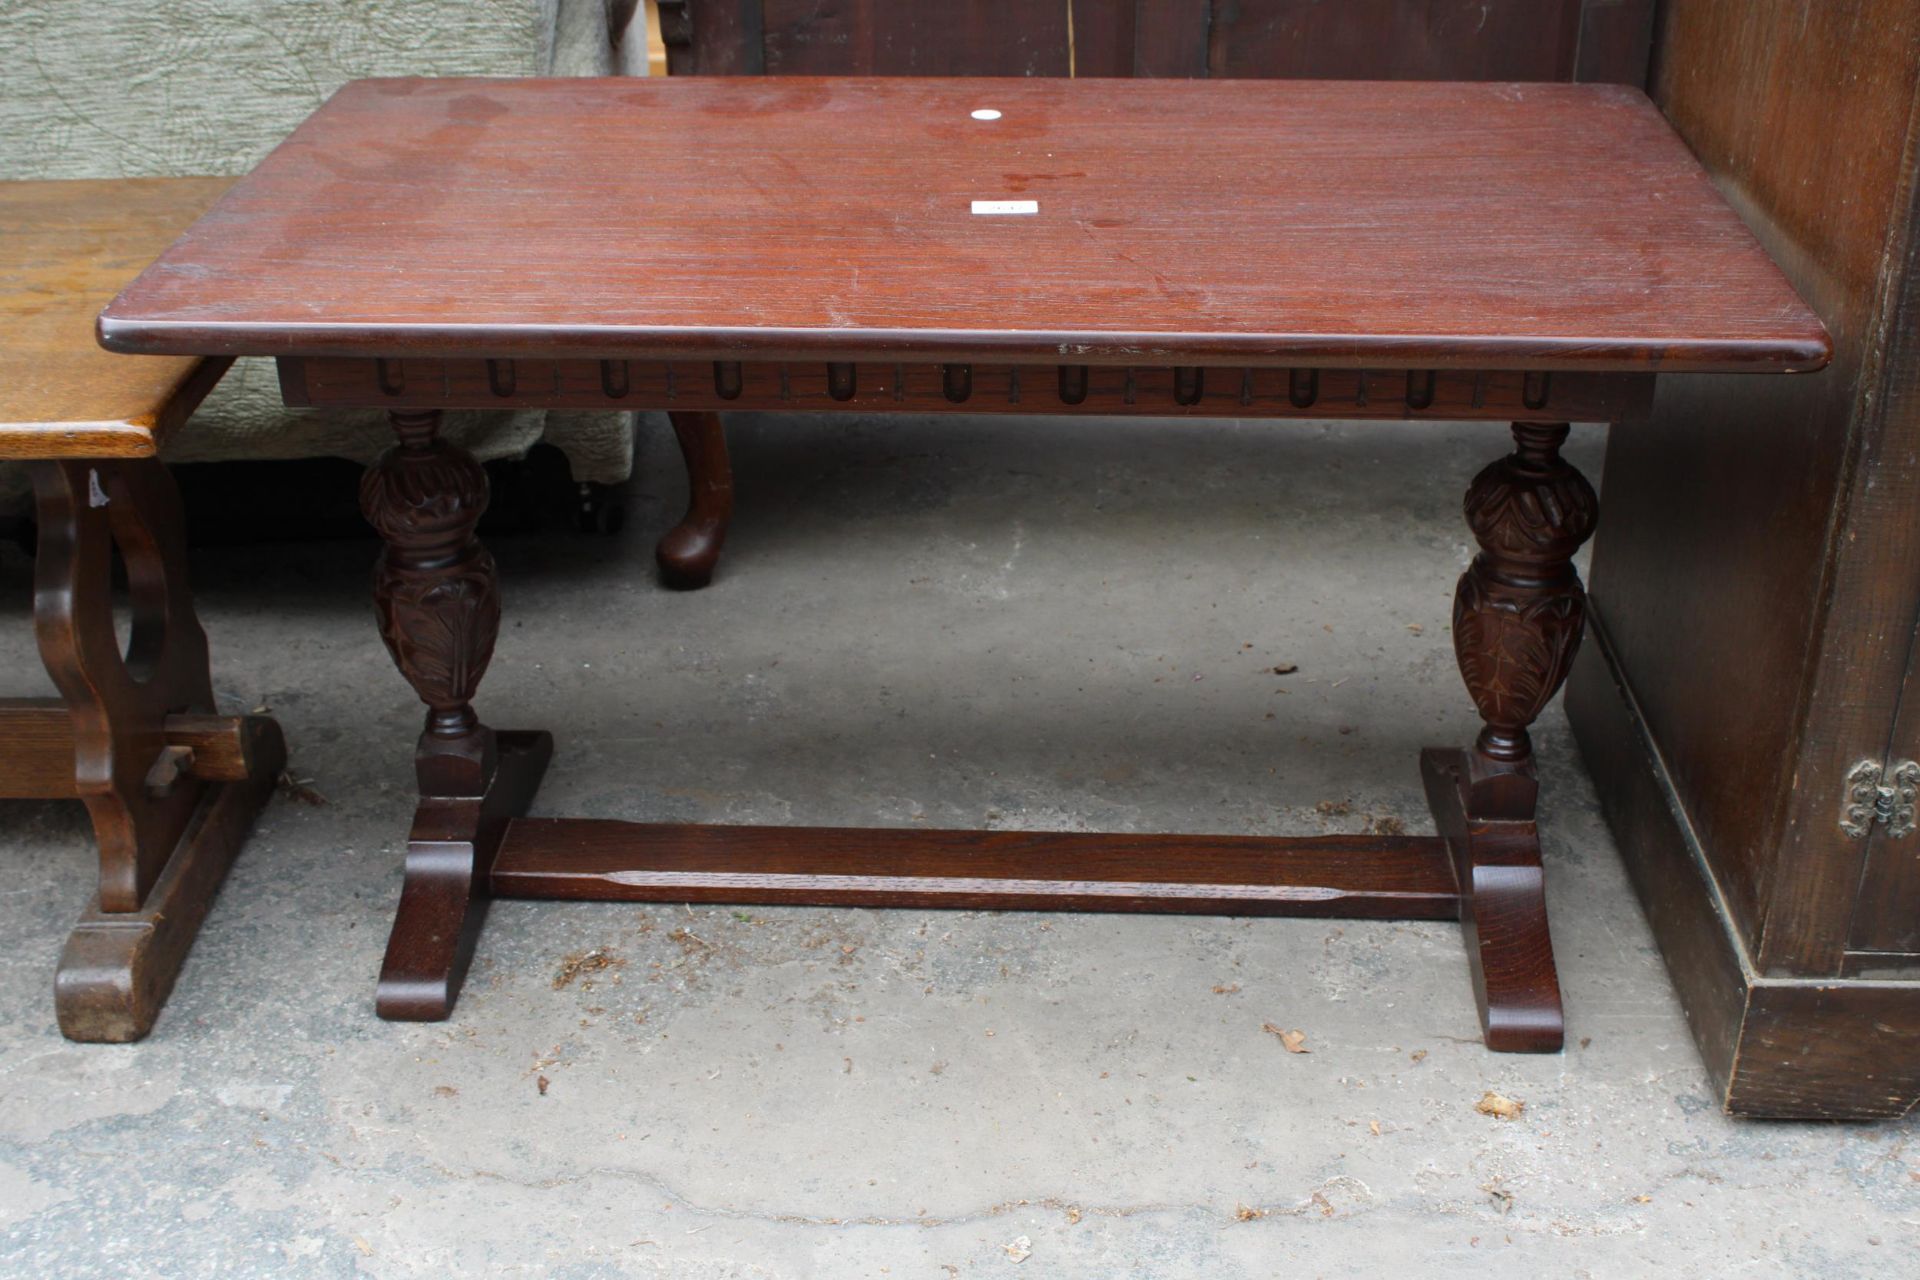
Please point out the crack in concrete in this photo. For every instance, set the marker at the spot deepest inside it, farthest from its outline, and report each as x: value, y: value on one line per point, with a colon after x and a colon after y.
x: 1315, y: 1203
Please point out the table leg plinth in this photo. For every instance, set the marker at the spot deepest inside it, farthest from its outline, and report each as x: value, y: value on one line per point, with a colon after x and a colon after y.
x: 443, y: 901
x: 118, y: 967
x: 1503, y: 910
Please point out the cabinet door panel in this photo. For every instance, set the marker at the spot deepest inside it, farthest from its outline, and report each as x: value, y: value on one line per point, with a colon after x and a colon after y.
x: 1395, y: 39
x: 886, y: 37
x: 1353, y: 39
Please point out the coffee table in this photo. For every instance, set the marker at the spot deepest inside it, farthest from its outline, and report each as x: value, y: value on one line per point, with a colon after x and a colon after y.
x: 1530, y: 254
x: 171, y: 786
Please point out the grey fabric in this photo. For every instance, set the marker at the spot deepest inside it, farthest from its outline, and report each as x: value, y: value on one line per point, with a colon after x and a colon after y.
x: 133, y: 88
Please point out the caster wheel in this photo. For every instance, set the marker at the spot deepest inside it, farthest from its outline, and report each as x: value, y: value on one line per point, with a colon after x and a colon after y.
x: 599, y: 511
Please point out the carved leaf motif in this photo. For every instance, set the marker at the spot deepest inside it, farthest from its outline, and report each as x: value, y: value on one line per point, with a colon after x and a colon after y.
x: 1515, y: 647
x: 1518, y: 512
x: 440, y: 625
x: 432, y: 495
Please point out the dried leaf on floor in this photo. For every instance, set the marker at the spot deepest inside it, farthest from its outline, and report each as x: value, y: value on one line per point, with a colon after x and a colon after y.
x: 1227, y: 990
x: 1418, y: 1055
x: 1285, y: 668
x: 1373, y: 1127
x: 1499, y: 1106
x: 1243, y: 1213
x: 1293, y: 1041
x: 299, y: 790
x: 690, y: 942
x: 1020, y: 1249
x: 542, y: 1084
x: 591, y: 961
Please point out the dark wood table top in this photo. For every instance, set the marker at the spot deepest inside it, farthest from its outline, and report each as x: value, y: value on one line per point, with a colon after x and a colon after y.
x: 1400, y: 225
x: 65, y: 249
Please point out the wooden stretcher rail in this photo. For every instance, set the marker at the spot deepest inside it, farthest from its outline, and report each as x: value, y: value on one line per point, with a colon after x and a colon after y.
x: 1391, y: 877
x: 37, y: 748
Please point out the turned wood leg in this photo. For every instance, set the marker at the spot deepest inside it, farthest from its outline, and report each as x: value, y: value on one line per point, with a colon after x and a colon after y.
x: 166, y: 836
x: 689, y: 551
x: 438, y: 605
x: 1517, y: 618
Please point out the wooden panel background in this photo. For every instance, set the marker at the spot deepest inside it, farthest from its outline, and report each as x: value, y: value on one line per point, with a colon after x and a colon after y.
x: 1885, y: 936
x: 1598, y: 40
x: 1723, y: 538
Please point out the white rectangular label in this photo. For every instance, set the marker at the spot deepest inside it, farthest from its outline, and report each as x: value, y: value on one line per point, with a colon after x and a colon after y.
x: 1006, y: 206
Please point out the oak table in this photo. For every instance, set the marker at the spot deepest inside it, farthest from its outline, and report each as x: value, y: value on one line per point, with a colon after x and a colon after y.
x: 171, y: 787
x: 1530, y: 254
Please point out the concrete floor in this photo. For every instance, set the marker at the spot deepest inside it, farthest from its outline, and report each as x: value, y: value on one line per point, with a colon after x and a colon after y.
x: 1025, y: 623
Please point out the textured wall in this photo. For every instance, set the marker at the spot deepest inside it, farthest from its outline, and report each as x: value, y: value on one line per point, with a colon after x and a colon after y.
x: 133, y: 88
x: 129, y: 88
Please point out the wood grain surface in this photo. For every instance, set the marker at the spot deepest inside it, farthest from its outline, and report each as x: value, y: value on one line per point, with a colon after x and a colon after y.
x: 65, y: 249
x: 1345, y: 224
x: 1394, y: 877
x: 37, y: 747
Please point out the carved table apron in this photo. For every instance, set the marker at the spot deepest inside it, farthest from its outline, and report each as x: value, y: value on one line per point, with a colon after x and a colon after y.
x: 1523, y: 254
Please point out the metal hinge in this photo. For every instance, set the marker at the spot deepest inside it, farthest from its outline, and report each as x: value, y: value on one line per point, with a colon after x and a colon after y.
x: 1869, y: 799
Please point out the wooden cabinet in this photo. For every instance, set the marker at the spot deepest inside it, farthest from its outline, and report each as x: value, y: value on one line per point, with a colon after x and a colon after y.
x: 1603, y: 40
x: 1752, y: 702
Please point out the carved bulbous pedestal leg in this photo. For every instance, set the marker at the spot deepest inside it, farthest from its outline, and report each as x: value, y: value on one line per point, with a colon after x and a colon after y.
x: 438, y: 605
x: 688, y: 552
x: 1517, y: 619
x: 1519, y: 610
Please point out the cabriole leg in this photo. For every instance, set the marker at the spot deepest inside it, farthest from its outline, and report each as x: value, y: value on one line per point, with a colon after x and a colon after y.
x: 438, y: 605
x: 690, y: 550
x: 1517, y: 620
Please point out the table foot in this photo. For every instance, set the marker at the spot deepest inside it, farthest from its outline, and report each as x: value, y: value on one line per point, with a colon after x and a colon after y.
x: 444, y: 899
x: 1503, y: 911
x: 119, y: 966
x: 690, y: 550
